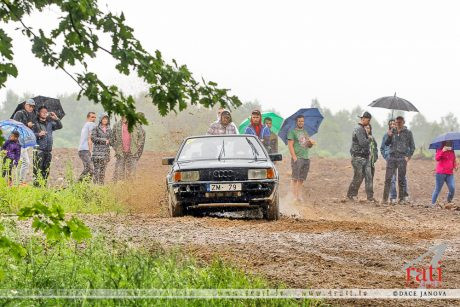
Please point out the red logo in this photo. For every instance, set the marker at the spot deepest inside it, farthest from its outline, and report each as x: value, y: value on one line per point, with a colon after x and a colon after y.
x: 428, y: 276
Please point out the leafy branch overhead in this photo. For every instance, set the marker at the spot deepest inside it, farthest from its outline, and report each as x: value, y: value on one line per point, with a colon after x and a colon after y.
x: 170, y: 86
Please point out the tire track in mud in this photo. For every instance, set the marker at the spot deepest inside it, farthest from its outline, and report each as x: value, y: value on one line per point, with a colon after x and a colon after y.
x: 323, y: 242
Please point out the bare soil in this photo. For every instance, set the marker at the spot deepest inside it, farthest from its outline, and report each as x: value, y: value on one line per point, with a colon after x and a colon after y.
x: 322, y: 242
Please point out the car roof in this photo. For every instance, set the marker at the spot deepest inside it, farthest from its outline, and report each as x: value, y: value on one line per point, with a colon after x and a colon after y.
x: 219, y: 136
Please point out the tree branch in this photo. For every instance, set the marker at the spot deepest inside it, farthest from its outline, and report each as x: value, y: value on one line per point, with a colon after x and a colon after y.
x: 36, y: 36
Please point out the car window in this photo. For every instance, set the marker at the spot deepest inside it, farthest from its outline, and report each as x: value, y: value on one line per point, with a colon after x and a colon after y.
x: 238, y: 147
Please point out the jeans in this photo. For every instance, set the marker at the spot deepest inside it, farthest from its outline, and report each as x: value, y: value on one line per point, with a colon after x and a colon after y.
x: 25, y: 163
x: 361, y: 170
x: 440, y: 179
x: 124, y: 166
x: 394, y: 164
x: 88, y: 168
x: 393, y: 193
x: 42, y: 163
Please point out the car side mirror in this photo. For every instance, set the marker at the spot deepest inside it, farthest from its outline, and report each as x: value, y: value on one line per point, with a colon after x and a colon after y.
x: 167, y: 161
x: 276, y: 157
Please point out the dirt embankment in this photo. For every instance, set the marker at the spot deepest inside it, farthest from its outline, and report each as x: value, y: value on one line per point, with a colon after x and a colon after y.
x: 324, y: 242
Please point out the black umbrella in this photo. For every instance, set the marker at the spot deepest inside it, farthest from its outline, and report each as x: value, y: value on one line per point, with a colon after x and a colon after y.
x: 393, y: 103
x: 52, y: 104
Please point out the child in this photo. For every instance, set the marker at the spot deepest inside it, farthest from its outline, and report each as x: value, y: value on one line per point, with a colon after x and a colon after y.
x: 12, y: 155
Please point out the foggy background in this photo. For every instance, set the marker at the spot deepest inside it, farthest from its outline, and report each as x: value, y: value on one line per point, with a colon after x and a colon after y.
x: 284, y: 54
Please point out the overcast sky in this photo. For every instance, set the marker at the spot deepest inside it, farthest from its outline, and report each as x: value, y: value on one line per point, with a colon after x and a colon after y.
x: 285, y: 53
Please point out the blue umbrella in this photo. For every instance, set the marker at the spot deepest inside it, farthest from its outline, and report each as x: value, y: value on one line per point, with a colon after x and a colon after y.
x: 313, y: 119
x: 450, y: 136
x: 26, y: 136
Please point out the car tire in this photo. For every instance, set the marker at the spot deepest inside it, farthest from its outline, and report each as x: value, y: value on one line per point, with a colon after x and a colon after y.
x: 175, y: 209
x: 272, y: 211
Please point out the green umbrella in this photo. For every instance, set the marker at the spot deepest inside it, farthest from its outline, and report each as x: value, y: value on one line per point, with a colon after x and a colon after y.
x: 277, y: 121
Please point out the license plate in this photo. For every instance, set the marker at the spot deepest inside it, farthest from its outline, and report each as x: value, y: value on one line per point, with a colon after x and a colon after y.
x: 223, y: 187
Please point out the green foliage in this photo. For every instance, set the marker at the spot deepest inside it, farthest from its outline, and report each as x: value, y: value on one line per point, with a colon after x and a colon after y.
x: 51, y: 220
x: 98, y: 265
x: 76, y: 39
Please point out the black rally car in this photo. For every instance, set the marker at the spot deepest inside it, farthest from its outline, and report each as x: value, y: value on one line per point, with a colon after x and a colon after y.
x: 223, y: 173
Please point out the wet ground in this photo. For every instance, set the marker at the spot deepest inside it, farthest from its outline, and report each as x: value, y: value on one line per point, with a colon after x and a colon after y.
x: 321, y: 242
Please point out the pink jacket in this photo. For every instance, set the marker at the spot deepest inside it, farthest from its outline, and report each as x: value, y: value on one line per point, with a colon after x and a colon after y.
x: 446, y: 162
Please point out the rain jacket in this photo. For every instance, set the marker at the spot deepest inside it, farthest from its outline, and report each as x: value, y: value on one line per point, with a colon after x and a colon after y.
x: 13, y: 150
x: 137, y: 139
x: 45, y: 143
x: 25, y: 117
x: 101, y: 150
x: 402, y: 144
x: 446, y: 162
x: 360, y: 143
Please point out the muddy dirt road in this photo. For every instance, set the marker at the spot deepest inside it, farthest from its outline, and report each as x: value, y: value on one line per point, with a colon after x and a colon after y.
x: 323, y: 242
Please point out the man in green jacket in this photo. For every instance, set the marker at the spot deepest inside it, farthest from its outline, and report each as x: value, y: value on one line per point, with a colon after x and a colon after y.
x: 127, y: 146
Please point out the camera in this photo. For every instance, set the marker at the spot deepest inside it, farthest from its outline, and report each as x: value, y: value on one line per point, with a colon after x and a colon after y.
x: 394, y: 131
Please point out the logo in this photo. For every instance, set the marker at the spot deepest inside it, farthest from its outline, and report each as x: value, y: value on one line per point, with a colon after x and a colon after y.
x: 428, y: 276
x: 222, y: 174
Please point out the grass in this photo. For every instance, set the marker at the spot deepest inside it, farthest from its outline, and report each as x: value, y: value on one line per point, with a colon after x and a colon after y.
x: 102, y: 264
x: 78, y: 197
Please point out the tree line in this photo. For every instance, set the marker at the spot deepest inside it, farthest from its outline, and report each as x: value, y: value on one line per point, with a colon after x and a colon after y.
x: 164, y: 133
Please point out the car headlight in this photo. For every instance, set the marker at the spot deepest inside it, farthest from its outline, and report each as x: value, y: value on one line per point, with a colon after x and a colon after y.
x: 261, y: 173
x: 187, y: 176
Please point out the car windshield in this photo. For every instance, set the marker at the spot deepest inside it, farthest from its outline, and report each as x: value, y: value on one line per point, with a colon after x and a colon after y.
x: 217, y: 148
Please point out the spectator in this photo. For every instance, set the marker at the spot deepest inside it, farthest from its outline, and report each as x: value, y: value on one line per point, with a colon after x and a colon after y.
x: 255, y: 127
x: 446, y: 164
x: 224, y: 126
x: 126, y: 145
x: 270, y: 140
x: 360, y: 153
x: 402, y: 148
x: 299, y: 144
x: 141, y: 144
x: 100, y: 138
x: 46, y: 124
x: 28, y: 117
x: 12, y: 150
x: 373, y: 155
x: 385, y: 151
x: 86, y: 146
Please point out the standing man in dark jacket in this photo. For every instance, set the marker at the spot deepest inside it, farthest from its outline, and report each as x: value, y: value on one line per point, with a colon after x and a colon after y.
x: 385, y: 151
x: 360, y: 153
x: 28, y: 117
x: 402, y: 147
x: 46, y: 124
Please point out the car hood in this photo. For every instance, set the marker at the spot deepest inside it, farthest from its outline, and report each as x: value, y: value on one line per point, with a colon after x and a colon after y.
x: 207, y: 164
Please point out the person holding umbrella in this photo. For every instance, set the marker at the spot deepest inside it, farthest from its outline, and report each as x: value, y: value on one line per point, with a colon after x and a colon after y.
x: 360, y: 153
x: 402, y: 147
x: 385, y: 151
x: 47, y: 123
x: 299, y: 144
x: 28, y: 117
x: 445, y: 166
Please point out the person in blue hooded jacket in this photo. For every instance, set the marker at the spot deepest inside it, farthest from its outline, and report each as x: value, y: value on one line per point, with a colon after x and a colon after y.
x: 255, y: 126
x: 46, y: 124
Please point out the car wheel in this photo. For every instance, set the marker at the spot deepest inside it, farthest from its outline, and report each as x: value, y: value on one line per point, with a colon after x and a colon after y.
x: 272, y: 211
x: 175, y: 210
